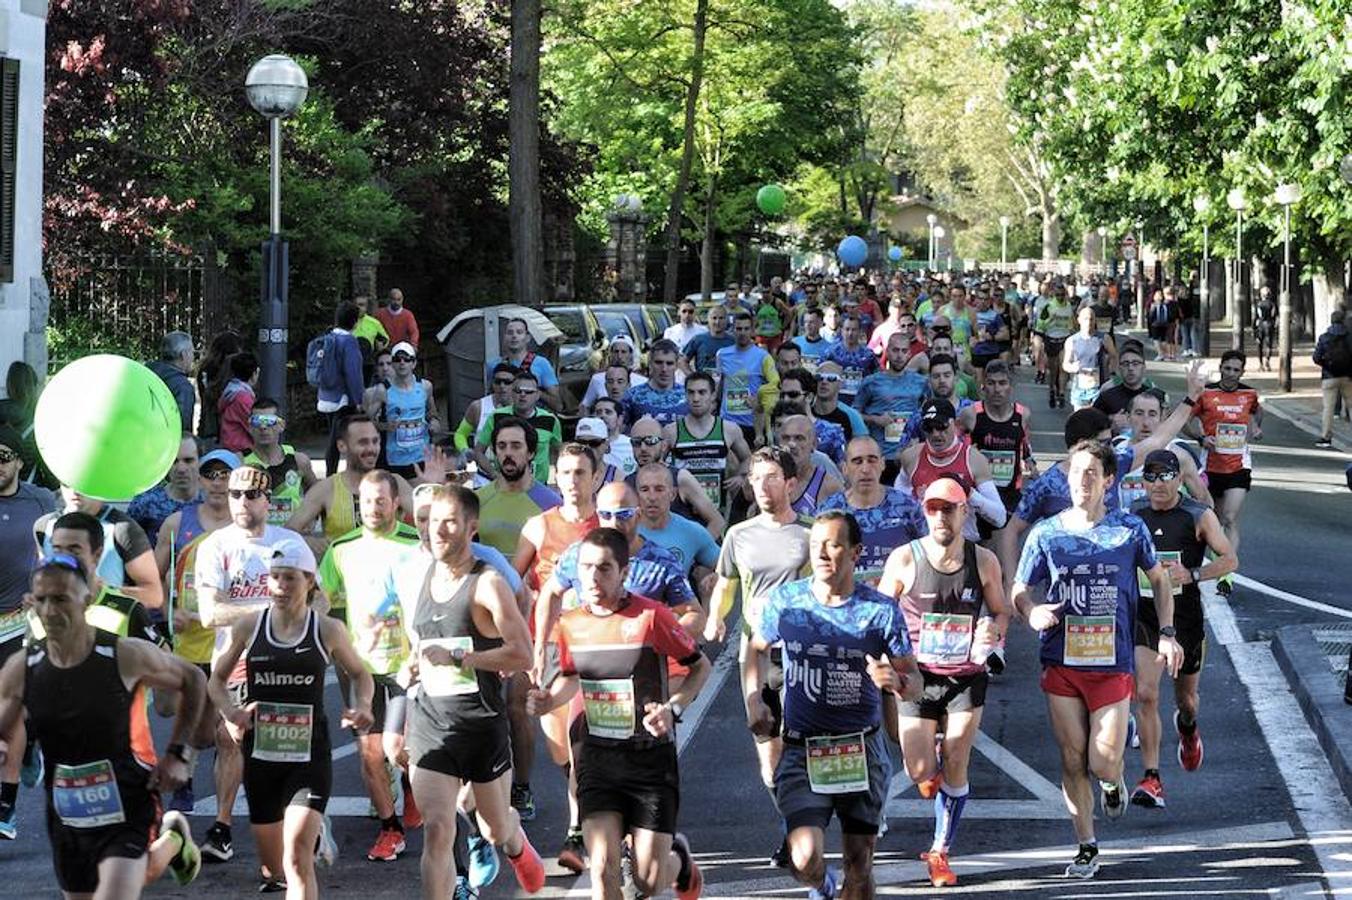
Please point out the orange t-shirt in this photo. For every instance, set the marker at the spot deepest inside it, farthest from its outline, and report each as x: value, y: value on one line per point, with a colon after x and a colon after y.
x: 1226, y: 417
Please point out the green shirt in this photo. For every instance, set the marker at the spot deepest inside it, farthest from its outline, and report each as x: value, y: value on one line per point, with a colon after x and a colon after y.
x: 369, y: 328
x: 359, y: 572
x: 547, y: 429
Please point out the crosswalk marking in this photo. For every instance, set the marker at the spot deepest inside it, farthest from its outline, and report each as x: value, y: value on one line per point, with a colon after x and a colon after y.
x: 1047, y: 805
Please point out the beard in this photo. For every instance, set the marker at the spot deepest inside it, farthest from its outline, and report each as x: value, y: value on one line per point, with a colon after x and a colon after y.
x: 511, y: 470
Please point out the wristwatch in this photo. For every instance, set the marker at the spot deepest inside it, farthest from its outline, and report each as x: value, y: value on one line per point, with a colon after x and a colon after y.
x: 1196, y: 575
x: 458, y: 656
x: 1168, y: 631
x: 676, y: 710
x: 1189, y: 401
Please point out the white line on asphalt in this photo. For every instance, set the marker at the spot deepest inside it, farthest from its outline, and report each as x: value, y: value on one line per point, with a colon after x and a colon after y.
x: 723, y: 667
x: 1254, y: 584
x: 1049, y: 804
x: 1321, y: 807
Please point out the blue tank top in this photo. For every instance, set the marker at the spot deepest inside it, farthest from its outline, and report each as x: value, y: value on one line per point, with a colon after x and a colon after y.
x: 406, y: 411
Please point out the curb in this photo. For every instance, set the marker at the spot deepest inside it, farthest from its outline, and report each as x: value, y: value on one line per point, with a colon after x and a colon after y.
x: 1307, y: 423
x: 1320, y: 697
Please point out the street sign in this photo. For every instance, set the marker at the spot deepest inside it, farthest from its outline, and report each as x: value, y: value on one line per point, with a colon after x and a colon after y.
x: 1129, y: 248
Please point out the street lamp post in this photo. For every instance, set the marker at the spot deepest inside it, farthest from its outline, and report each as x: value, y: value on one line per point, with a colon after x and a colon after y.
x: 1004, y: 243
x: 939, y: 236
x: 931, y: 220
x: 1287, y: 195
x: 1239, y: 309
x: 1201, y: 204
x: 1141, y: 300
x: 276, y: 87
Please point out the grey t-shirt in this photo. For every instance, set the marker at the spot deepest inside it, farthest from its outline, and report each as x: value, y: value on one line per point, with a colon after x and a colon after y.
x: 18, y: 552
x: 762, y: 554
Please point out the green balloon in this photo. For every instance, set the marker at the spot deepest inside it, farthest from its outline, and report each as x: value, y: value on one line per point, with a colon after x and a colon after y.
x: 107, y: 427
x: 771, y: 199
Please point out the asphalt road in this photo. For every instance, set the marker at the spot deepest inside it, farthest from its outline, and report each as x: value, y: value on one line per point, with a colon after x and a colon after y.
x: 1261, y: 818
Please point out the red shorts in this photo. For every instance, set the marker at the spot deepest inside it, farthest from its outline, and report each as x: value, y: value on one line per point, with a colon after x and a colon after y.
x: 1096, y: 689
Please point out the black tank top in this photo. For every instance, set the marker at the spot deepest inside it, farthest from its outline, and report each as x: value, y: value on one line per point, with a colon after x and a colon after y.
x: 997, y: 441
x: 452, y: 697
x: 1175, y: 532
x: 95, y: 738
x: 287, y: 683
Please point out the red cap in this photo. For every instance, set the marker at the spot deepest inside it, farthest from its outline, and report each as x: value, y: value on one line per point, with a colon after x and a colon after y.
x: 945, y: 489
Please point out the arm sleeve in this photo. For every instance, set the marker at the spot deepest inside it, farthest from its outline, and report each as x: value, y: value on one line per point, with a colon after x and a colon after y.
x: 986, y: 501
x: 464, y: 434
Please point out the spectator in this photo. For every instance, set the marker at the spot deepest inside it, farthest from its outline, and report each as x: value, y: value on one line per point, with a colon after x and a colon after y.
x: 236, y: 403
x: 371, y: 338
x: 212, y: 375
x: 1187, y: 324
x: 340, y: 383
x: 173, y: 366
x: 16, y: 410
x: 1333, y: 352
x: 399, y: 322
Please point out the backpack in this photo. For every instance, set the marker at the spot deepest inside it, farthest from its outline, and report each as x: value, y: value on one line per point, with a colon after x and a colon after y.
x: 1337, y: 356
x: 317, y: 354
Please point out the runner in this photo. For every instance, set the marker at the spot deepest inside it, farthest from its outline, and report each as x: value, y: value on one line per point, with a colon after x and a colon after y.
x: 888, y: 517
x: 701, y: 353
x: 945, y: 452
x: 128, y: 562
x: 231, y: 581
x: 1115, y: 398
x: 1083, y: 359
x: 794, y: 432
x: 855, y: 359
x: 410, y: 418
x: 1053, y: 324
x: 621, y: 454
x: 615, y: 647
x: 358, y: 574
x: 843, y: 644
x: 813, y: 345
x: 1231, y: 419
x: 514, y: 496
x: 743, y: 370
x: 705, y: 445
x: 953, y: 599
x: 277, y: 716
x: 1087, y: 558
x: 797, y: 388
x: 661, y: 397
x: 290, y: 470
x: 543, y: 540
x: 694, y: 548
x: 83, y: 691
x: 465, y: 632
x: 942, y: 385
x: 1145, y: 417
x: 180, y: 487
x: 888, y: 399
x: 827, y: 407
x: 691, y: 499
x: 1000, y: 429
x: 500, y: 383
x: 1183, y: 530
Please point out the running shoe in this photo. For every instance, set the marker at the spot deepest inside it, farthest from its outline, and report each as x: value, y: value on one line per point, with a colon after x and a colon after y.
x: 530, y: 871
x: 412, y: 815
x: 272, y: 886
x: 463, y: 890
x: 1149, y: 793
x: 929, y: 788
x: 829, y: 887
x: 326, y: 849
x: 1114, y: 796
x: 1225, y: 585
x: 780, y: 859
x: 573, y: 854
x: 523, y: 801
x: 217, y: 846
x: 9, y: 828
x: 1085, y: 864
x: 182, y: 798
x: 188, y: 861
x: 1190, y: 750
x: 389, y: 844
x: 1051, y: 400
x: 995, y: 663
x: 1040, y: 378
x: 940, y: 875
x: 30, y: 773
x: 694, y: 881
x: 1061, y: 400
x: 1323, y: 443
x: 1133, y: 733
x: 483, y: 862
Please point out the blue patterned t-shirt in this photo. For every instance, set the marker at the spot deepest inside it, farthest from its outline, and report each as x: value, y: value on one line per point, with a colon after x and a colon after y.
x: 894, y: 522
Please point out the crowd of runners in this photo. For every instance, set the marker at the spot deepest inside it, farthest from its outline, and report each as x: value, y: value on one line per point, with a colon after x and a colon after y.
x: 829, y: 477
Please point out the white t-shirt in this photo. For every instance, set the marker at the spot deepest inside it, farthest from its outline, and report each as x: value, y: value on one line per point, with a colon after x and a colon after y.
x: 235, y: 563
x: 681, y: 335
x: 621, y: 454
x: 596, y: 388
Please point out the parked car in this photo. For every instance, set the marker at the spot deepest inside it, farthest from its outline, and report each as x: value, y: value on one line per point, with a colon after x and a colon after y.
x: 645, y: 319
x: 583, y: 337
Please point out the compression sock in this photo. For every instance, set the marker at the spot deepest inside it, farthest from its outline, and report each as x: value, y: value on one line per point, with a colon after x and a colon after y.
x: 948, y: 806
x: 392, y: 824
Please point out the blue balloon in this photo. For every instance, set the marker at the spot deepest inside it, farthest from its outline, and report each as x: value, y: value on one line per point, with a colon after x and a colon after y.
x: 894, y: 254
x: 853, y: 250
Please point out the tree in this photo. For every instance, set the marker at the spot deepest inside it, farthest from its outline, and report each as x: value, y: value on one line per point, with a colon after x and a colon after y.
x: 524, y: 157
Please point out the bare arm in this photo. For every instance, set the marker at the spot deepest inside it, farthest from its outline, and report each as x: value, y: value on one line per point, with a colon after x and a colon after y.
x: 164, y: 557
x: 311, y: 508
x: 339, y: 644
x: 216, y: 614
x: 993, y: 590
x: 532, y: 535
x: 143, y: 581
x: 694, y: 496
x: 11, y: 698
x: 140, y: 662
x: 1192, y: 480
x: 225, y: 664
x: 306, y: 468
x: 492, y: 595
x: 758, y: 716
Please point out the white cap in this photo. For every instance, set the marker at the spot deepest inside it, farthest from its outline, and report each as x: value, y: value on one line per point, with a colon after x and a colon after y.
x: 404, y: 347
x: 591, y: 429
x: 622, y: 339
x: 292, y: 553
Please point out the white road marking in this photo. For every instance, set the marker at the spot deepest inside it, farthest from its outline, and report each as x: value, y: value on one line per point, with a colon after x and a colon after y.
x: 1296, y: 599
x: 725, y: 665
x: 1322, y: 809
x: 1049, y: 804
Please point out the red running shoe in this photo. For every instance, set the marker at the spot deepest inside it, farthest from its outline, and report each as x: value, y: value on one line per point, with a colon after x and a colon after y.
x: 389, y: 844
x: 1149, y: 793
x: 940, y: 875
x: 1190, y: 749
x: 530, y: 871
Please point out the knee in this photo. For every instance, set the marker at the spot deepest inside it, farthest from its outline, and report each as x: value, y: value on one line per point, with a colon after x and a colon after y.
x: 1147, y: 694
x: 806, y: 858
x: 438, y: 832
x: 604, y: 862
x: 1073, y: 761
x: 921, y: 767
x: 499, y: 832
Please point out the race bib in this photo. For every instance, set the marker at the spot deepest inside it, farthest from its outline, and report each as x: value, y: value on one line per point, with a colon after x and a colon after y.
x: 13, y: 624
x: 737, y: 394
x: 448, y: 680
x: 896, y: 429
x: 837, y: 765
x: 410, y: 434
x: 1164, y: 556
x: 1002, y: 465
x: 87, y: 796
x: 1131, y: 489
x: 810, y: 363
x: 280, y: 510
x: 282, y: 732
x: 850, y: 381
x: 1091, y: 641
x: 945, y: 639
x: 712, y: 482
x: 610, y: 708
x: 1231, y: 437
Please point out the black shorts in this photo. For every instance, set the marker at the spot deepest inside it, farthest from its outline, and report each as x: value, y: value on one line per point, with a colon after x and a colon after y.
x: 77, y: 852
x: 1053, y: 346
x: 944, y: 694
x: 479, y: 755
x: 979, y: 360
x: 1191, y: 629
x: 643, y: 786
x: 1217, y: 483
x: 388, y: 706
x: 770, y: 694
x: 1009, y: 496
x: 408, y: 472
x: 860, y: 812
x: 273, y: 786
x: 1159, y: 332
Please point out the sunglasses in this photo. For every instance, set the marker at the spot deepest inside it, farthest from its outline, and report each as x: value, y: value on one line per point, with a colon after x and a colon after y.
x: 7, y: 456
x: 404, y: 359
x: 216, y: 474
x: 933, y: 426
x: 791, y: 395
x: 504, y: 382
x: 623, y: 514
x: 61, y: 561
x: 264, y: 420
x: 942, y: 329
x: 250, y: 494
x: 525, y: 392
x: 651, y: 440
x: 939, y: 507
x: 1152, y: 477
x: 593, y: 443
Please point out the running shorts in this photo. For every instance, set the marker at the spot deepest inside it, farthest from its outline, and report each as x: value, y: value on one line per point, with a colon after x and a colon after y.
x: 77, y: 852
x: 1220, y: 482
x: 1096, y: 689
x: 478, y: 755
x: 770, y: 695
x: 859, y: 812
x: 944, y: 694
x: 643, y: 786
x: 1191, y: 633
x: 273, y: 786
x: 1053, y: 346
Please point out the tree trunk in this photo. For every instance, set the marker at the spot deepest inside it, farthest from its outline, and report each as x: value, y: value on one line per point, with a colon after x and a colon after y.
x: 1051, y: 233
x: 1329, y: 292
x: 706, y: 257
x: 671, y: 284
x: 523, y: 204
